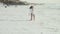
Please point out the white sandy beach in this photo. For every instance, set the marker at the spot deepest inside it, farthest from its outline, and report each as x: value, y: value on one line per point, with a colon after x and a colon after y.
x: 15, y: 20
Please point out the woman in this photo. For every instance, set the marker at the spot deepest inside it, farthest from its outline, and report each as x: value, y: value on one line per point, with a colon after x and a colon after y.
x: 32, y: 14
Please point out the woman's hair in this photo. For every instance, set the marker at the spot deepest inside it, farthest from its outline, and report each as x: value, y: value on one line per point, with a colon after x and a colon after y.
x: 31, y: 7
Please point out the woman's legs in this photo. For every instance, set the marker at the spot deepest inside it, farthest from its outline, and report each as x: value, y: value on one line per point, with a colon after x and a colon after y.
x: 32, y: 17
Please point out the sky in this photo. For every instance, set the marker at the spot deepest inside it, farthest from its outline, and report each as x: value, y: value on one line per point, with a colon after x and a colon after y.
x: 43, y: 1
